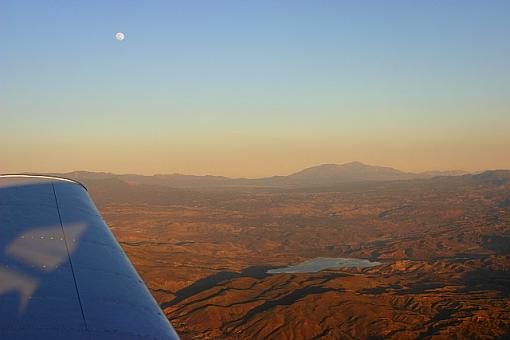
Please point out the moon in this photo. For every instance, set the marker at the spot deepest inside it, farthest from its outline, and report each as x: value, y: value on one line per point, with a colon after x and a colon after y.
x: 120, y: 36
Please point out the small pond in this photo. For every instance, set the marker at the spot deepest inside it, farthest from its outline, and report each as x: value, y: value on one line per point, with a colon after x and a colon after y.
x: 321, y: 263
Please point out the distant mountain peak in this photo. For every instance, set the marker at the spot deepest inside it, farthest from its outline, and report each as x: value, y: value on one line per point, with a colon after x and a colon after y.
x: 334, y: 165
x: 327, y: 174
x: 355, y: 164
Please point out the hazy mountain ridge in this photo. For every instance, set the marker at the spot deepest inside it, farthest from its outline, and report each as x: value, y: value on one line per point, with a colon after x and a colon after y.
x: 321, y: 175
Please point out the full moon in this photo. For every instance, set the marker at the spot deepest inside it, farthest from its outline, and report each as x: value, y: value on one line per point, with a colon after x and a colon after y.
x: 120, y: 36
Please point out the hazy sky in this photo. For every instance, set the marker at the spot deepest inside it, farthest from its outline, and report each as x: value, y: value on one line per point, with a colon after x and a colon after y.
x: 253, y: 88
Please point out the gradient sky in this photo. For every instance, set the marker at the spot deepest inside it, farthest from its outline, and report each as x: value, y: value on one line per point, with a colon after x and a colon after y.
x: 253, y: 88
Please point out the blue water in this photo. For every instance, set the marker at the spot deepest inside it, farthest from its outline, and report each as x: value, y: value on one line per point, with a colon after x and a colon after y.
x: 321, y: 263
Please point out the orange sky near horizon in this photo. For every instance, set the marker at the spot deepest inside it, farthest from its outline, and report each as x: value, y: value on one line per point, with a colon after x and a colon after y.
x: 258, y: 155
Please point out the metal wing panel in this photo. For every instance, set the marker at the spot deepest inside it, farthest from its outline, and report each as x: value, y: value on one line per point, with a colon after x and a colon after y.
x: 37, y: 287
x: 64, y: 272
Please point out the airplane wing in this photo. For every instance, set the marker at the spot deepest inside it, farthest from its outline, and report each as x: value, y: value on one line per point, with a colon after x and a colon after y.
x: 63, y: 275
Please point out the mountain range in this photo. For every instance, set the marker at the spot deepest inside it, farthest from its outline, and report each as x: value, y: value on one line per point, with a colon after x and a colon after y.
x: 321, y: 175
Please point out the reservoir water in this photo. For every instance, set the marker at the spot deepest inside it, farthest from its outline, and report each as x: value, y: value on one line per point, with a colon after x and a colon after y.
x: 321, y: 263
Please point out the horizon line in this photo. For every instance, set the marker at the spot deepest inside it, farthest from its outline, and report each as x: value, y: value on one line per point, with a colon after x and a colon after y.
x: 461, y: 171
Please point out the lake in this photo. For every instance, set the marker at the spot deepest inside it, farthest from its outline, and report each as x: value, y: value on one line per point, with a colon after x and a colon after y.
x: 321, y: 263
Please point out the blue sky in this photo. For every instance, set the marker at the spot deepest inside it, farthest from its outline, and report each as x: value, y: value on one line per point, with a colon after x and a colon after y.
x: 253, y: 88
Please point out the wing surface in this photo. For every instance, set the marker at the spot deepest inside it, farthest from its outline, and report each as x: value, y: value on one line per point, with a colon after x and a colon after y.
x: 62, y: 272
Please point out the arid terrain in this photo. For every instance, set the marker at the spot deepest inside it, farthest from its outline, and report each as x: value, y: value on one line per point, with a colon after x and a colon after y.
x: 204, y: 252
